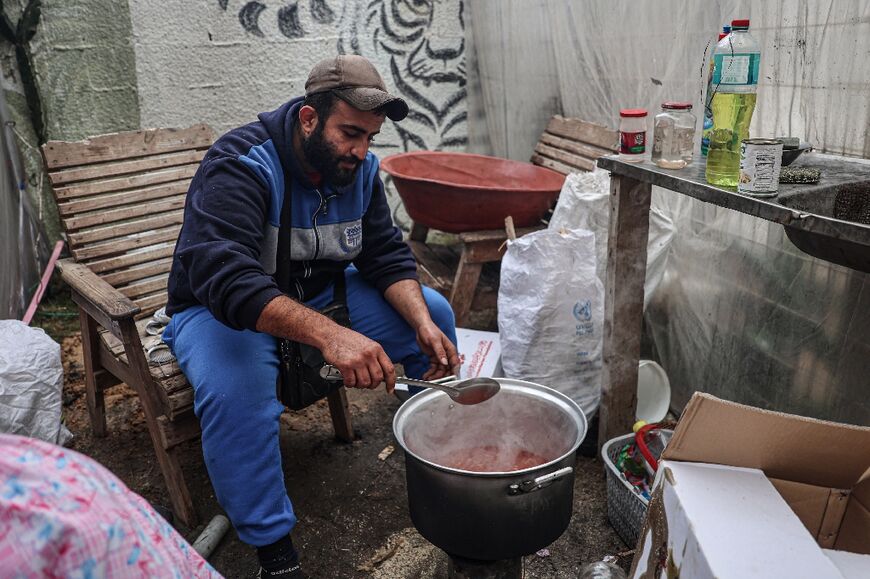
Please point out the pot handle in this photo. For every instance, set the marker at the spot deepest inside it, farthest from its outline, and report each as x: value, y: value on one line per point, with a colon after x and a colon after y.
x: 540, y: 482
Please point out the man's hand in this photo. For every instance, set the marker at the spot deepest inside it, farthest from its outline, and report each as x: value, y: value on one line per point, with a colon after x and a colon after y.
x: 361, y: 361
x: 443, y: 358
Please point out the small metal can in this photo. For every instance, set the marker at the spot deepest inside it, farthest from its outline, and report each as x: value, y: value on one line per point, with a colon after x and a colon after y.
x: 760, y: 163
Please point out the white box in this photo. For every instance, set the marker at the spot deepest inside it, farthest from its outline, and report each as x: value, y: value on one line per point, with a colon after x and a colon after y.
x: 726, y: 522
x: 480, y: 352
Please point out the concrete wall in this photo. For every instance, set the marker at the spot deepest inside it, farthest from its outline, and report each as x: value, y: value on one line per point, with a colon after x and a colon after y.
x: 85, y: 72
x: 103, y: 66
x: 223, y: 61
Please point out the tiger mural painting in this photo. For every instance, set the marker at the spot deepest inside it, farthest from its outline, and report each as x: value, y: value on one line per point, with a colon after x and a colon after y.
x: 418, y: 45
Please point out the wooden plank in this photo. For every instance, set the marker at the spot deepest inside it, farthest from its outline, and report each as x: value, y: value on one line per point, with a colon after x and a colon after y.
x: 140, y: 180
x: 175, y: 432
x: 125, y: 145
x: 135, y: 241
x: 564, y: 157
x: 627, y: 241
x: 124, y: 198
x: 93, y: 394
x: 590, y: 152
x: 149, y: 304
x: 152, y: 409
x: 583, y: 131
x: 145, y: 287
x: 107, y: 299
x: 484, y: 251
x: 339, y: 410
x: 112, y: 169
x: 123, y: 261
x: 103, y: 217
x: 464, y: 285
x: 85, y: 236
x: 121, y: 277
x: 418, y: 232
x: 551, y: 164
x: 498, y: 235
x: 435, y: 273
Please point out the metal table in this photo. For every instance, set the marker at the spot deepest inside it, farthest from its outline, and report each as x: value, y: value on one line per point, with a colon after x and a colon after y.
x: 807, y: 212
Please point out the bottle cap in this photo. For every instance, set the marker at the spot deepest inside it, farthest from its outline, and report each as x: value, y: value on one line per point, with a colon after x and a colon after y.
x: 677, y: 105
x: 632, y: 113
x: 739, y: 24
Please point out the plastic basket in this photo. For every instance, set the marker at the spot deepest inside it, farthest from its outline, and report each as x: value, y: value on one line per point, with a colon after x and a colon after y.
x: 626, y: 508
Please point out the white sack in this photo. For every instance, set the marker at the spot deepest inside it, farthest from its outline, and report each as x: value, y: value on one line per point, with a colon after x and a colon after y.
x: 585, y: 203
x: 551, y: 314
x: 31, y: 381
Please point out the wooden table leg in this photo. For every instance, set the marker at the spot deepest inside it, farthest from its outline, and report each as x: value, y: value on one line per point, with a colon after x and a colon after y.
x: 418, y: 232
x: 464, y: 286
x: 623, y: 309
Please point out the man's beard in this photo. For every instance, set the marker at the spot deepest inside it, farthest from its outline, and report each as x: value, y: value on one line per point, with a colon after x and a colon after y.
x: 321, y: 155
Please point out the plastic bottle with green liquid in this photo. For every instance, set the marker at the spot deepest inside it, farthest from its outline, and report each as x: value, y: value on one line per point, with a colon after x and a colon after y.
x: 735, y: 82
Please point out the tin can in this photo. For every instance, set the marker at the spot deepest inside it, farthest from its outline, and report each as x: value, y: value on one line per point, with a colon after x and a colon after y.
x: 760, y: 163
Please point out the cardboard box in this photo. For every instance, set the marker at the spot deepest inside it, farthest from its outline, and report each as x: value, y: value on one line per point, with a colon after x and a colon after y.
x: 821, y: 470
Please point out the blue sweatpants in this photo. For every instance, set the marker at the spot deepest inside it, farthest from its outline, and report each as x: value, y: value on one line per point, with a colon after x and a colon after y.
x: 234, y: 374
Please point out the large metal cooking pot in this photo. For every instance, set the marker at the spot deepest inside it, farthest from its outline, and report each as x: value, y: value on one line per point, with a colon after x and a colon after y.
x: 491, y: 515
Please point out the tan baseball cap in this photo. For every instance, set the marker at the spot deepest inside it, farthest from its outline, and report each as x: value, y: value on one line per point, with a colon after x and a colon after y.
x: 356, y: 81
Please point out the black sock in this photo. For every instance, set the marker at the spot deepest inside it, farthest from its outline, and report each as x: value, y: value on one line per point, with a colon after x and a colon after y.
x: 279, y: 555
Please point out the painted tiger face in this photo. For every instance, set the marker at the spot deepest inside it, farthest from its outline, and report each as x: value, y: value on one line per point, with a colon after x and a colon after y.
x: 429, y: 33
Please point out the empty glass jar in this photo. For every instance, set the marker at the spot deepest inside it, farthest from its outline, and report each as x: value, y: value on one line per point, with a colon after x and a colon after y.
x: 673, y: 135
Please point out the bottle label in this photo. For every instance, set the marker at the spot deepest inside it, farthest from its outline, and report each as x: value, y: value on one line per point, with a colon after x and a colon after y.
x: 632, y: 143
x: 736, y: 69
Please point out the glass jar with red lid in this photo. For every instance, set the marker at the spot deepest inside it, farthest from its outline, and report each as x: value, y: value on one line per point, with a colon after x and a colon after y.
x: 632, y: 134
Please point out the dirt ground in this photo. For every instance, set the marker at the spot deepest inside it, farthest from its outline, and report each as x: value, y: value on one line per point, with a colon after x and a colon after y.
x: 352, y: 506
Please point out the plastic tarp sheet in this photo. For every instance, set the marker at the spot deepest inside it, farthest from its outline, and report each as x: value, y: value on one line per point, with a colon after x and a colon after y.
x: 23, y: 246
x: 740, y: 312
x: 31, y: 383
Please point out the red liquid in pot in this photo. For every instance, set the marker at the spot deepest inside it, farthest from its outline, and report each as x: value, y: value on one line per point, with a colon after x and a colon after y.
x: 492, y: 459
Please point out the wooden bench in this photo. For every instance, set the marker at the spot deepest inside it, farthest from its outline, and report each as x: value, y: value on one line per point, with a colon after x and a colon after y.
x: 567, y: 145
x: 121, y: 202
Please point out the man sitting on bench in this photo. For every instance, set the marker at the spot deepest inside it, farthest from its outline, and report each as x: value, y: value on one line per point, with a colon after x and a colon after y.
x: 228, y: 306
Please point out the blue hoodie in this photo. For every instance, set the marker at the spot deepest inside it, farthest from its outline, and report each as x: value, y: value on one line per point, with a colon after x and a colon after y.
x: 227, y: 252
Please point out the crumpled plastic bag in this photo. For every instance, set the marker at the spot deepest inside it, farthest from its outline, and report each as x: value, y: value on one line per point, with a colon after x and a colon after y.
x: 31, y: 383
x: 584, y: 203
x: 551, y: 314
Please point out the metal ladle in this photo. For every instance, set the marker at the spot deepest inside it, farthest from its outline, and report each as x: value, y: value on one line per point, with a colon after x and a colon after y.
x: 471, y: 391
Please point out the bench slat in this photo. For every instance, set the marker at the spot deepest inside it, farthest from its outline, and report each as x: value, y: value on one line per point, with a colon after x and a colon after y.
x: 127, y: 145
x: 85, y: 236
x: 122, y: 261
x: 131, y: 274
x: 584, y: 132
x: 104, y: 217
x: 590, y: 152
x: 95, y: 187
x: 565, y: 157
x: 111, y: 169
x: 117, y: 246
x: 123, y: 198
x: 144, y: 287
x: 149, y: 304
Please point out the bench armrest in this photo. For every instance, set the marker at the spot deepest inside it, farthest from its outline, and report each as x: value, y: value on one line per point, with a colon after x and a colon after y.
x: 104, y: 300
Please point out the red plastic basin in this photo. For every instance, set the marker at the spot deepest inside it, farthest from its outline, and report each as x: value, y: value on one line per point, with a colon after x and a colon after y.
x: 458, y: 192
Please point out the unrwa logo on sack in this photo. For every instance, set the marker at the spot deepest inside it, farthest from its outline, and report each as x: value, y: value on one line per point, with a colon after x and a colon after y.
x: 583, y: 311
